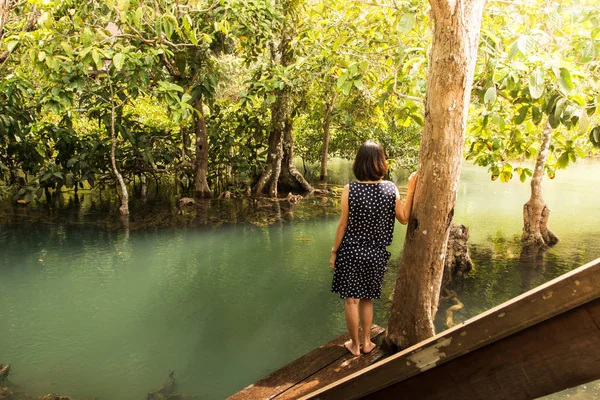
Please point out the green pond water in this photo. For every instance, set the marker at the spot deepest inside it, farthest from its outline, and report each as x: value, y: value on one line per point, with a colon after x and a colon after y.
x: 103, y: 313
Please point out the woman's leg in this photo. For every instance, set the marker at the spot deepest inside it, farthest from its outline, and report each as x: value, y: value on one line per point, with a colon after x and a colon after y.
x: 365, y: 310
x: 351, y: 311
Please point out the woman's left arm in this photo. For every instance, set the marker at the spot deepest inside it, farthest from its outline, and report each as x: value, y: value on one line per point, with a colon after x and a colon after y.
x: 341, y: 228
x: 403, y: 210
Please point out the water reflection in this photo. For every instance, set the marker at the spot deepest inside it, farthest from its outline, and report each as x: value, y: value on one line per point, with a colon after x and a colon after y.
x: 233, y: 289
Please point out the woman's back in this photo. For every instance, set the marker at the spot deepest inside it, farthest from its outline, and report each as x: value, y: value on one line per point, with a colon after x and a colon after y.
x: 371, y: 213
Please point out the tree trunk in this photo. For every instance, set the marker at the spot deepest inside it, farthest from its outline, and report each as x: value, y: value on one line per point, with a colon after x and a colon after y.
x: 270, y: 175
x: 291, y: 178
x: 143, y: 187
x: 535, y: 211
x: 280, y: 121
x: 452, y: 59
x: 124, y: 209
x: 3, y: 15
x: 325, y: 150
x: 202, y: 190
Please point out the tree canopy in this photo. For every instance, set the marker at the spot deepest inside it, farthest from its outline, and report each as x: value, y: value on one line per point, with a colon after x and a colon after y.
x: 193, y: 87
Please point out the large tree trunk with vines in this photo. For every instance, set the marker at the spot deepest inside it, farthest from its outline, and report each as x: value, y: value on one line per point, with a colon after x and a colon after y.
x: 456, y: 30
x: 290, y: 178
x: 535, y: 212
x: 202, y: 190
x: 326, y: 123
x: 281, y: 128
x: 124, y: 209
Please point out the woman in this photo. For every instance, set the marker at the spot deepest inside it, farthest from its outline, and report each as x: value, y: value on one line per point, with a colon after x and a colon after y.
x: 359, y: 256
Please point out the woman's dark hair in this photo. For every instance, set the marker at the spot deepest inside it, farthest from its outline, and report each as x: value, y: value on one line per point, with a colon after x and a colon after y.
x: 370, y: 163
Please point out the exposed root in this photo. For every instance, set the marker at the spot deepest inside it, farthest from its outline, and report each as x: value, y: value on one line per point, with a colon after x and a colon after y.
x: 458, y: 305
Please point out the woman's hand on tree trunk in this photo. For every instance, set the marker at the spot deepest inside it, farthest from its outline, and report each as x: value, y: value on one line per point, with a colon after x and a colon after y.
x: 412, y: 181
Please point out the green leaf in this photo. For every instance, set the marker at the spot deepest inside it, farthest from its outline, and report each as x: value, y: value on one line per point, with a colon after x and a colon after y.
x: 359, y: 84
x: 41, y: 56
x: 67, y: 48
x: 137, y: 18
x: 514, y: 50
x: 168, y: 26
x: 584, y: 123
x: 522, y: 114
x: 417, y: 118
x: 551, y: 103
x: 526, y: 44
x: 595, y: 136
x: 536, y: 83
x: 10, y: 46
x: 87, y: 37
x: 119, y: 60
x: 406, y: 22
x: 563, y: 160
x: 561, y: 104
x: 490, y: 96
x: 565, y: 79
x: 346, y: 88
x: 96, y: 58
x: 364, y: 65
x: 341, y: 80
x: 187, y: 23
x: 206, y: 38
x: 554, y: 122
x: 193, y: 38
x: 536, y: 115
x: 158, y: 28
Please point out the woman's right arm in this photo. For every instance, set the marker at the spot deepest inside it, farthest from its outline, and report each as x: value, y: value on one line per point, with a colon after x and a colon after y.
x: 341, y: 228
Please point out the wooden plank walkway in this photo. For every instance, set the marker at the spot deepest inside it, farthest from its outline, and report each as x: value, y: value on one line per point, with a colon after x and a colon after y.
x: 312, y: 371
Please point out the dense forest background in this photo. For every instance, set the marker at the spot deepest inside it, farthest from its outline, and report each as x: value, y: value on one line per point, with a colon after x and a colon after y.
x: 225, y: 95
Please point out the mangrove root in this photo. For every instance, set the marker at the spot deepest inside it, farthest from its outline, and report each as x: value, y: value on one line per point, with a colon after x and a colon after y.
x: 458, y: 305
x: 184, y: 201
x: 4, y: 371
x: 168, y: 391
x: 458, y: 262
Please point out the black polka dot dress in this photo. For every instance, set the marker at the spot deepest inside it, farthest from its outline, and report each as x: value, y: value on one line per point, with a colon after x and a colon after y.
x: 362, y: 256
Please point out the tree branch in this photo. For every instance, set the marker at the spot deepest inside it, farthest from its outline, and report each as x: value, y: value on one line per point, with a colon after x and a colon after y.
x: 29, y: 25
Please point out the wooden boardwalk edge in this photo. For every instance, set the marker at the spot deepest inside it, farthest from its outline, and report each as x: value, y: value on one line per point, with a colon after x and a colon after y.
x: 555, y: 297
x: 277, y: 383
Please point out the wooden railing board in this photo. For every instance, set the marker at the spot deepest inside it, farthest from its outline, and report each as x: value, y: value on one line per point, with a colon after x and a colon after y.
x: 548, y: 357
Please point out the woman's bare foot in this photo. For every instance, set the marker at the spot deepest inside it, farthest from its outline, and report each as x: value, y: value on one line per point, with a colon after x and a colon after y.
x: 352, y: 347
x: 368, y: 347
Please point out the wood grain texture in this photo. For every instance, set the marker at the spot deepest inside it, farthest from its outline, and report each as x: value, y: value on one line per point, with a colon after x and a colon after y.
x: 298, y: 370
x: 339, y: 369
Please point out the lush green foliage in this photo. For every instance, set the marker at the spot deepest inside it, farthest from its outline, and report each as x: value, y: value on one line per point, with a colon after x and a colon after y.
x: 547, y: 73
x: 64, y: 64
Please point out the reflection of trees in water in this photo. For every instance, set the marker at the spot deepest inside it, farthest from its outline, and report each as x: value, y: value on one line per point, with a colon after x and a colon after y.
x: 505, y: 269
x: 96, y: 210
